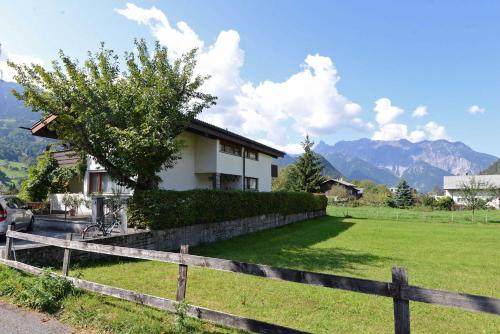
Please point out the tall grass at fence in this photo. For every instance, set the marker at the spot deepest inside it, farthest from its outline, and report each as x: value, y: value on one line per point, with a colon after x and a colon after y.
x: 420, y: 214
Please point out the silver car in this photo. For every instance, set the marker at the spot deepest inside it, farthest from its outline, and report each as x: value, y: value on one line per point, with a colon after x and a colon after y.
x: 14, y: 210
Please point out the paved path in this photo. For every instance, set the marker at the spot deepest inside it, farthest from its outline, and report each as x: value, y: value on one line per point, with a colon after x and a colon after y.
x: 14, y: 320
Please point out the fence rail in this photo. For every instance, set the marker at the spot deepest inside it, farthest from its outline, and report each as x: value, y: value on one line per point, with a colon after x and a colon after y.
x: 398, y: 289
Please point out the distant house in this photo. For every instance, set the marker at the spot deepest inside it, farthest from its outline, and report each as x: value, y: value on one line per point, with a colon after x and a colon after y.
x: 453, y: 184
x: 352, y: 190
x: 212, y: 158
x: 393, y: 190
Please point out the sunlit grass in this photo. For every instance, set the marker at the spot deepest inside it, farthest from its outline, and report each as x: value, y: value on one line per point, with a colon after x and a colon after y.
x: 456, y: 257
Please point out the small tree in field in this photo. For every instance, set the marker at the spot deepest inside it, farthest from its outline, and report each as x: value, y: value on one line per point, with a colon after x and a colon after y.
x: 128, y: 117
x: 476, y: 193
x: 403, y: 198
x: 339, y: 194
x: 308, y: 169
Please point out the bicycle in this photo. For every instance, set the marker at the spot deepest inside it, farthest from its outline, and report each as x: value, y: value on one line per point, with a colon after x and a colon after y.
x: 105, y: 225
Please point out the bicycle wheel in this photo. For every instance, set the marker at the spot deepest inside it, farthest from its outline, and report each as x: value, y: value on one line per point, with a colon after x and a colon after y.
x: 91, y: 231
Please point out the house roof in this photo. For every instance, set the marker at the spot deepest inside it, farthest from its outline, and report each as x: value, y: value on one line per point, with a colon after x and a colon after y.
x: 196, y: 126
x: 456, y: 182
x: 343, y: 182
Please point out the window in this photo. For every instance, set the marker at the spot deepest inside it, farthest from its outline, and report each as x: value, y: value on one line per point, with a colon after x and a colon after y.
x: 251, y: 154
x: 100, y: 183
x: 251, y: 183
x: 95, y: 185
x: 230, y: 148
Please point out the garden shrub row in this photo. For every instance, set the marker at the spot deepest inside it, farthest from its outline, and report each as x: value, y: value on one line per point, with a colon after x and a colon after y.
x: 161, y: 209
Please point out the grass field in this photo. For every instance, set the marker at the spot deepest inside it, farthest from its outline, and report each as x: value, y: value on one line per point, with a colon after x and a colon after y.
x: 418, y: 214
x: 92, y: 313
x: 459, y: 257
x: 15, y: 171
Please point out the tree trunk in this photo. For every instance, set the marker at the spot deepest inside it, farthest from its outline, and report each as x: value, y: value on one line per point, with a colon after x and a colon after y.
x: 146, y: 182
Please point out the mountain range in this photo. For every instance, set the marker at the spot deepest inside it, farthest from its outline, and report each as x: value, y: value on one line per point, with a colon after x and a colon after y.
x: 422, y: 164
x: 17, y: 144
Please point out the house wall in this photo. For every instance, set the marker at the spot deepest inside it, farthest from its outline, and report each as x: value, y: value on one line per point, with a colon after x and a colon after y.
x: 56, y: 204
x: 229, y: 164
x: 182, y: 176
x: 260, y: 169
x: 92, y: 167
x: 201, y: 158
x: 206, y: 154
x: 458, y: 198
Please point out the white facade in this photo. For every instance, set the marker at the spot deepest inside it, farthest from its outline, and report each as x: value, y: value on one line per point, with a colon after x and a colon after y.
x: 453, y: 184
x: 203, y: 166
x: 202, y: 160
x: 212, y: 158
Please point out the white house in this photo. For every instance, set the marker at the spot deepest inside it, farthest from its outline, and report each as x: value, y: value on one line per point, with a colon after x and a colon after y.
x: 212, y: 158
x: 453, y: 184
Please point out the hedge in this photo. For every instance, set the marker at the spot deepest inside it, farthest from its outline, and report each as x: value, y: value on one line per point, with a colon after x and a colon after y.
x: 161, y: 209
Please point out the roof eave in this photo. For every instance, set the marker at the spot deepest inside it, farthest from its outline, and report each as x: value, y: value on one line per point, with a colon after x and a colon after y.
x: 196, y: 126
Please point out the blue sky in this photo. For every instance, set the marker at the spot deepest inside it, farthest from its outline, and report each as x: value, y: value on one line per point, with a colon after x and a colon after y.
x: 338, y: 70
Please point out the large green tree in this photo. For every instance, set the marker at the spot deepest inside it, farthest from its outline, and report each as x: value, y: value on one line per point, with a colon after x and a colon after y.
x: 46, y: 176
x: 307, y: 170
x: 128, y: 118
x: 403, y: 198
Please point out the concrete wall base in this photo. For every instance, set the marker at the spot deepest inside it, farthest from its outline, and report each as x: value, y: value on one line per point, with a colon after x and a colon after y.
x: 167, y: 240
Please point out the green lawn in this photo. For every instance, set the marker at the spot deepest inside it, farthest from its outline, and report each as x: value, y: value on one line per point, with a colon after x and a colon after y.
x: 95, y: 313
x: 15, y: 171
x: 419, y: 214
x: 460, y: 257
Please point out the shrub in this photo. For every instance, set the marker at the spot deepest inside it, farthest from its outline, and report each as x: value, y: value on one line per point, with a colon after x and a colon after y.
x: 389, y: 202
x: 427, y: 200
x: 161, y: 209
x: 46, y: 292
x: 444, y: 203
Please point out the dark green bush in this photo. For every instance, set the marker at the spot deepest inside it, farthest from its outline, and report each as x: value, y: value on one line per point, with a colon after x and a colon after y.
x: 428, y: 200
x: 161, y: 209
x: 46, y: 292
x: 444, y: 203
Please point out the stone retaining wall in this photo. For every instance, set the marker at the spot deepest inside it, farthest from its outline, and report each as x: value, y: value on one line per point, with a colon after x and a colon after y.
x: 167, y: 240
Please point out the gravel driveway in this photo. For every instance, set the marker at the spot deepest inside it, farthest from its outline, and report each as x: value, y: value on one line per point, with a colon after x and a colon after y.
x: 16, y: 320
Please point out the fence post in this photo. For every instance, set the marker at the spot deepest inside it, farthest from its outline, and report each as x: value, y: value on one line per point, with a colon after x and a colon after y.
x: 401, y: 307
x: 67, y: 256
x: 182, y: 281
x: 8, y: 242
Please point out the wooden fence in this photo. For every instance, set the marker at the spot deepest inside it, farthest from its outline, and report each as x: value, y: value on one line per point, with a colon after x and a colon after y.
x: 399, y: 289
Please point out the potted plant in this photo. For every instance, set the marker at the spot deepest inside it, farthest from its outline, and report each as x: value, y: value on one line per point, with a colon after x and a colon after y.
x: 73, y: 202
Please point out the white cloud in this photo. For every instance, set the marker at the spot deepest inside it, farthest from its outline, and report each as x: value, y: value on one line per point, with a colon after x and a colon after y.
x: 391, y: 131
x: 416, y: 136
x: 180, y: 40
x: 386, y: 112
x: 288, y: 148
x: 435, y: 131
x: 420, y: 111
x: 7, y: 72
x: 397, y: 131
x: 307, y: 102
x: 475, y: 109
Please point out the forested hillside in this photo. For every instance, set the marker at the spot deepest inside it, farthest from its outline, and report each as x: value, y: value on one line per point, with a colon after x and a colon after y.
x: 18, y: 148
x: 494, y: 169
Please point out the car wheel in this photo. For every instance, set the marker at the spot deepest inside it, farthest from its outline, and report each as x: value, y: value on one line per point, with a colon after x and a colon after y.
x: 31, y: 224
